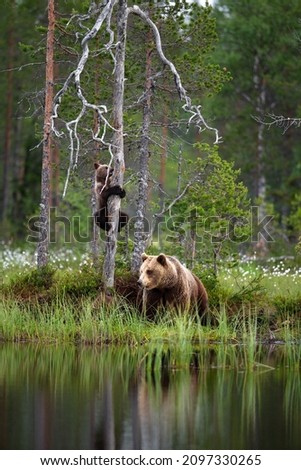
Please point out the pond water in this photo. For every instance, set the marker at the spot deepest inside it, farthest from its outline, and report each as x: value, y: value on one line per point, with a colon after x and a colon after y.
x: 54, y: 397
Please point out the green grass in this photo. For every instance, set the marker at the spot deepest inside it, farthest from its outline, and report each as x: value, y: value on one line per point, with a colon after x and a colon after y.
x: 248, y: 305
x: 65, y: 321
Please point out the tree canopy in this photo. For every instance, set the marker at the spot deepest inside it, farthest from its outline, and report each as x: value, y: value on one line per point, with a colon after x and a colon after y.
x: 238, y: 61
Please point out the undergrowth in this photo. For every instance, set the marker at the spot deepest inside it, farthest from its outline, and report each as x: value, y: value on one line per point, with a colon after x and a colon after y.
x: 65, y: 306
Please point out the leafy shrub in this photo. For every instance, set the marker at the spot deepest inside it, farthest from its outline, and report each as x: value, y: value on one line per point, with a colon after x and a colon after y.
x: 78, y: 283
x: 34, y: 280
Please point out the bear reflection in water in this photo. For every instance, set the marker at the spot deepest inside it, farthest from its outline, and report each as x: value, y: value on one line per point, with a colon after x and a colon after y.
x: 167, y: 283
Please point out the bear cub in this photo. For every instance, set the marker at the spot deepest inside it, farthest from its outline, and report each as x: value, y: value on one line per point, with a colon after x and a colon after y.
x: 103, y: 190
x: 167, y: 283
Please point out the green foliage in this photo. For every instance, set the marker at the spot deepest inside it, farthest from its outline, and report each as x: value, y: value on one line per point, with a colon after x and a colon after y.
x: 295, y: 216
x: 62, y: 305
x: 215, y: 210
x: 250, y: 291
x: 208, y: 45
x: 50, y: 283
x: 72, y: 221
x: 42, y: 29
x: 85, y: 282
x: 258, y: 44
x: 289, y: 308
x: 192, y: 31
x: 298, y: 246
x: 26, y: 47
x: 188, y: 38
x: 33, y: 282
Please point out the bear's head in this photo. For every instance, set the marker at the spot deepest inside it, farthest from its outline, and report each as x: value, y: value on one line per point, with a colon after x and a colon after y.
x: 103, y: 173
x: 157, y: 272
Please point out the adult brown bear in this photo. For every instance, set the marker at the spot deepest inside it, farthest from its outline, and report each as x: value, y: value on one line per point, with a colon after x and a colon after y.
x: 167, y: 283
x: 103, y: 190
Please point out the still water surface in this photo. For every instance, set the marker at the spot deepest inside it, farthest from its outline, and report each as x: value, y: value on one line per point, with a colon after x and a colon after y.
x: 135, y: 398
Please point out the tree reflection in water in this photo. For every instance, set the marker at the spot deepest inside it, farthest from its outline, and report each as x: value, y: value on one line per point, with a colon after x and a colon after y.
x: 156, y: 397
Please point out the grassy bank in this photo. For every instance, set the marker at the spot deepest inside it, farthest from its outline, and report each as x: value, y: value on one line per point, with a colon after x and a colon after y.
x: 61, y: 304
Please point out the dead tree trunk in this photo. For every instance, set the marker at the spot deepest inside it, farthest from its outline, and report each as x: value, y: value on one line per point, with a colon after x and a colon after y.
x: 55, y: 160
x: 163, y: 160
x: 117, y: 146
x: 95, y: 247
x: 43, y: 244
x: 140, y: 236
x: 260, y: 87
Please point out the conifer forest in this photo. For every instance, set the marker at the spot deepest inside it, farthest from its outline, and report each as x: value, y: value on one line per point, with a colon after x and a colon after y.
x: 193, y: 105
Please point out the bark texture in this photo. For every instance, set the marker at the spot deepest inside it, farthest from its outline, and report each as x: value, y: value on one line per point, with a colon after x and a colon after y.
x: 140, y: 236
x: 7, y: 157
x: 259, y: 84
x: 117, y: 146
x: 43, y: 244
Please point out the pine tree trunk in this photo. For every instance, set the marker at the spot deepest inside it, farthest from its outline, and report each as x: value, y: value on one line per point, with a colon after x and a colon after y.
x: 117, y: 147
x: 140, y: 236
x: 43, y: 244
x: 8, y: 121
x: 55, y: 173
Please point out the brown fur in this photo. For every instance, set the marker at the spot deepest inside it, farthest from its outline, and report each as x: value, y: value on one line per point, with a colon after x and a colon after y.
x: 167, y: 283
x: 103, y: 191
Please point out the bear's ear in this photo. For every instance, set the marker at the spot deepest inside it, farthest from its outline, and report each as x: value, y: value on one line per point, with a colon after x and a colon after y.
x: 96, y: 165
x: 162, y: 259
x: 144, y: 256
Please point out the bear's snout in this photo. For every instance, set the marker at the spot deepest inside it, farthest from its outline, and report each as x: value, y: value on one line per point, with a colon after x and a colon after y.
x: 144, y: 283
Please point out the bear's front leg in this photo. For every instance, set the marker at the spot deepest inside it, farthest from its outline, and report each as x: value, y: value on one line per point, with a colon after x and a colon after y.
x: 114, y: 191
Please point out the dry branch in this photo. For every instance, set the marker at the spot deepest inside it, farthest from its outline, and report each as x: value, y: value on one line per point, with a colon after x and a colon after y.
x: 195, y: 111
x: 75, y: 77
x: 104, y: 15
x: 278, y: 121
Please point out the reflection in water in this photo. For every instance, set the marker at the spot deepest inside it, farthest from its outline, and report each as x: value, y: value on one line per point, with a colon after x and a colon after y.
x: 120, y: 398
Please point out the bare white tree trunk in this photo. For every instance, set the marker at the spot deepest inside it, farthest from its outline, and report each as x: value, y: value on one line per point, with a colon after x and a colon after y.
x: 95, y: 246
x: 43, y: 244
x: 95, y: 231
x: 105, y: 11
x: 261, y: 245
x: 117, y: 146
x: 140, y: 236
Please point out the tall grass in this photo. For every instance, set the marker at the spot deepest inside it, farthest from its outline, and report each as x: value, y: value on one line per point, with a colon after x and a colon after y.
x: 63, y: 321
x: 249, y: 304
